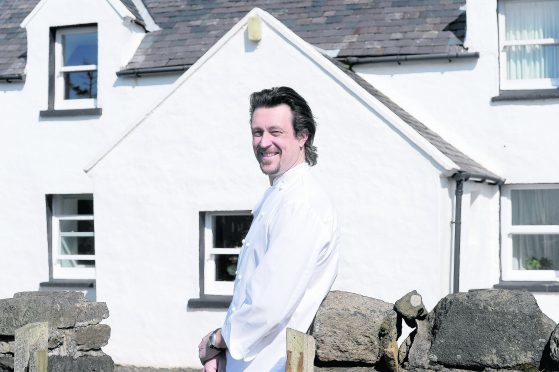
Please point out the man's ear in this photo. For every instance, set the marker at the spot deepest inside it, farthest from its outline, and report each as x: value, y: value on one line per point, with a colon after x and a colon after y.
x: 303, y: 136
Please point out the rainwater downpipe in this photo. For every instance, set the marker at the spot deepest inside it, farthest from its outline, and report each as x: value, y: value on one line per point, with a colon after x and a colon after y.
x: 459, y: 178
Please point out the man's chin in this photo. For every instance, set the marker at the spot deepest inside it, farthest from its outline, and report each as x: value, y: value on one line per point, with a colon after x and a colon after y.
x: 269, y: 171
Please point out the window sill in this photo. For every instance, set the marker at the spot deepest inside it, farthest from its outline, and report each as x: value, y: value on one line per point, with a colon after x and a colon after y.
x: 529, y: 286
x: 67, y: 113
x: 209, y: 302
x: 526, y: 95
x: 68, y: 283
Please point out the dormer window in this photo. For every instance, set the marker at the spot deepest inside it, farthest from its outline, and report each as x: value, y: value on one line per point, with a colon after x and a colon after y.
x: 76, y: 49
x: 73, y: 70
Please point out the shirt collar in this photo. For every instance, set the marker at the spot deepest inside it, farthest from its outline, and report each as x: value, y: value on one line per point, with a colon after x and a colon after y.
x: 291, y: 175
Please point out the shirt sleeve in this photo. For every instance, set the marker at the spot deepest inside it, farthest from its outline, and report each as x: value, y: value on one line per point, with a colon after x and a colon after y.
x: 296, y: 239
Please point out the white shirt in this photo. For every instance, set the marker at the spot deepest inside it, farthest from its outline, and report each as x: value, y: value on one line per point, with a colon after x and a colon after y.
x: 286, y: 267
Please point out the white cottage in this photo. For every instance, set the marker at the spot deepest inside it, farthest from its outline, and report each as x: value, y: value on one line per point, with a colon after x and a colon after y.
x: 131, y: 175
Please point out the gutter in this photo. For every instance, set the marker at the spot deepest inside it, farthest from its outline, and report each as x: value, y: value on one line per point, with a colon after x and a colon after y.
x: 407, y: 58
x: 460, y: 178
x: 12, y: 78
x: 137, y: 72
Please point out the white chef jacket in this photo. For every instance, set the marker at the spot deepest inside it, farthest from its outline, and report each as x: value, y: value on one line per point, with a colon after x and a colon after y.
x: 287, y: 265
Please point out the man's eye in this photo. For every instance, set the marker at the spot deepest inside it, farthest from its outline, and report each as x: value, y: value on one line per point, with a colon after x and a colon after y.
x: 256, y: 134
x: 276, y: 133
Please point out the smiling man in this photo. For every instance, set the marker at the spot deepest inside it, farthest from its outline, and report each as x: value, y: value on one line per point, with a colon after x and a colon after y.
x: 289, y: 258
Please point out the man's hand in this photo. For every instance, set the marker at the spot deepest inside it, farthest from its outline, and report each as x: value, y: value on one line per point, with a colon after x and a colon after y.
x: 213, y: 359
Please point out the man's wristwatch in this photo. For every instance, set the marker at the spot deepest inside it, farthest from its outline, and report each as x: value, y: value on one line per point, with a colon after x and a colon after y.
x: 213, y: 340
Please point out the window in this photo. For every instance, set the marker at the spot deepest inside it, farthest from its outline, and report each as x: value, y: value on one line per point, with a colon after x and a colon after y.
x: 74, y: 72
x: 529, y: 44
x: 223, y: 234
x: 72, y: 237
x: 530, y: 232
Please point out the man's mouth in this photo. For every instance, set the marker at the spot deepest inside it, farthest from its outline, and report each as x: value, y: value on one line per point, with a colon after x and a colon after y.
x: 267, y: 154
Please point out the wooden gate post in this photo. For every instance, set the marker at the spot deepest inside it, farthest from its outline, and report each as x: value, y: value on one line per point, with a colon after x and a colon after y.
x: 300, y: 351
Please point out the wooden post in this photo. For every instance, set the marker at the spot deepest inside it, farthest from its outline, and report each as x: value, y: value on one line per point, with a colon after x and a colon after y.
x: 31, y: 348
x: 300, y: 352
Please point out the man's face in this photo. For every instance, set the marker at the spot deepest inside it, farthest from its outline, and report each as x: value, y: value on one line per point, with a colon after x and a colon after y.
x: 275, y: 145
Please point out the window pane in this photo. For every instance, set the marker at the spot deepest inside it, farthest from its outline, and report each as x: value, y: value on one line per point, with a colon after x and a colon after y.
x: 79, y: 85
x: 225, y: 267
x: 85, y: 206
x: 532, y: 62
x: 530, y: 20
x: 535, y: 252
x: 229, y: 231
x: 76, y: 263
x: 77, y: 245
x: 535, y: 207
x: 76, y: 226
x: 80, y: 49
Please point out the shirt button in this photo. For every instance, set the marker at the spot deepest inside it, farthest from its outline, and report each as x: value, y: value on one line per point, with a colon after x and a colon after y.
x: 248, y: 244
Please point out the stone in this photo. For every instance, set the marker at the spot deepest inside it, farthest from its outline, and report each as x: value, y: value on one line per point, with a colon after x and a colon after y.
x: 6, y: 347
x: 30, y: 339
x: 345, y: 369
x: 410, y: 307
x: 7, y: 362
x: 554, y: 349
x: 103, y: 363
x: 60, y: 309
x: 72, y: 296
x: 16, y: 312
x: 414, y: 351
x: 91, y: 313
x: 92, y: 337
x: 480, y: 329
x: 355, y: 329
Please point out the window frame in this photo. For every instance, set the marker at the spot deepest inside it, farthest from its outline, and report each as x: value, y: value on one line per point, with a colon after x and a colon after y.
x: 520, y: 84
x: 57, y: 69
x: 209, y: 286
x: 508, y: 229
x: 59, y: 272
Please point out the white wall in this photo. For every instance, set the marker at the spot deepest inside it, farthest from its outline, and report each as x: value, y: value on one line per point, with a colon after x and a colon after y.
x: 194, y: 154
x: 47, y: 156
x: 515, y: 139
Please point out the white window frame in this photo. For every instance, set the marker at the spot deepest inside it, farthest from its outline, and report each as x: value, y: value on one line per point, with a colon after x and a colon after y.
x: 520, y: 84
x: 60, y: 103
x: 212, y: 286
x: 508, y: 230
x: 59, y: 272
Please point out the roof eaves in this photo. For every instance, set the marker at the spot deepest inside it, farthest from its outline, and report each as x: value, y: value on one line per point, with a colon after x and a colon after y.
x: 142, y: 71
x: 12, y: 78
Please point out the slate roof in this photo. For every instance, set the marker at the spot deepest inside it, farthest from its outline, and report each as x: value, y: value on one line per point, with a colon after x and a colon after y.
x: 465, y: 163
x: 13, y: 40
x: 132, y: 8
x: 351, y: 27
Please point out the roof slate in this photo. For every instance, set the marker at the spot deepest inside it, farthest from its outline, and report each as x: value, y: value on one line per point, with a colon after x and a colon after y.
x: 132, y: 8
x: 351, y: 27
x: 464, y: 162
x: 13, y: 40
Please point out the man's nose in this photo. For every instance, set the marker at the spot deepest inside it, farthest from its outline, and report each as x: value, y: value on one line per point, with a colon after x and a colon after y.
x: 265, y: 140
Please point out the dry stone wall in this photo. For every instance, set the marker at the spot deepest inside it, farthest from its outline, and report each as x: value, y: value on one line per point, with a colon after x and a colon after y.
x: 481, y: 330
x: 75, y: 332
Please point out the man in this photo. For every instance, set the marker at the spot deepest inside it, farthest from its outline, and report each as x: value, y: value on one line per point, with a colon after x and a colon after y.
x: 289, y: 257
